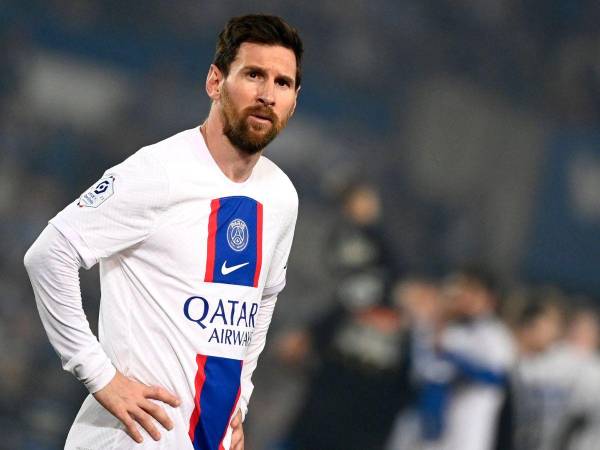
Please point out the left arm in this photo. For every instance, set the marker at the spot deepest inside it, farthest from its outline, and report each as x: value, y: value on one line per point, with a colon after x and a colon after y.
x: 274, y: 284
x: 477, y: 371
x: 257, y: 344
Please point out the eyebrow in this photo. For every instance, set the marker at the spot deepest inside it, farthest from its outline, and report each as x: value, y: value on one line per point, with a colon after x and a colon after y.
x: 286, y: 78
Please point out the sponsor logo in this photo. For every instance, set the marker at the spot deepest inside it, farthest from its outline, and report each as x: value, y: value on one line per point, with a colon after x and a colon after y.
x: 237, y: 235
x: 227, y: 270
x: 98, y: 193
x: 232, y: 321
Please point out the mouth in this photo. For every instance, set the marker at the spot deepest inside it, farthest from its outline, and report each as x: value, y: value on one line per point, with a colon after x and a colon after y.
x: 261, y: 113
x: 261, y: 118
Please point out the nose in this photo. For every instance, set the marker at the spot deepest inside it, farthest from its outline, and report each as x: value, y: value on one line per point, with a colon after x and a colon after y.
x: 266, y: 95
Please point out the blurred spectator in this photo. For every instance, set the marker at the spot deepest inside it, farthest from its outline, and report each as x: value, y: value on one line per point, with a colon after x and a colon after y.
x: 480, y: 351
x: 580, y: 425
x: 538, y: 328
x: 557, y: 386
x: 419, y: 302
x: 359, y: 345
x: 358, y: 257
x: 461, y: 366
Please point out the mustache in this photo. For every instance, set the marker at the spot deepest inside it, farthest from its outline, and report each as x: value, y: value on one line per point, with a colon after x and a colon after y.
x: 262, y: 112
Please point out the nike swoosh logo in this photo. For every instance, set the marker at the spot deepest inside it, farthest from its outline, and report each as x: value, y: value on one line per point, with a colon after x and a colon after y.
x: 227, y: 270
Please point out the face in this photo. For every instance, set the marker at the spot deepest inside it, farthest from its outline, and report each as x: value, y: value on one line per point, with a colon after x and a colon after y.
x: 465, y: 299
x: 364, y: 206
x: 419, y: 300
x: 584, y: 331
x: 258, y: 96
x: 545, y: 330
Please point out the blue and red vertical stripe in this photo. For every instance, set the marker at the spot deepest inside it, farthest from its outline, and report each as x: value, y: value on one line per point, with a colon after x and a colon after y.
x: 234, y: 247
x: 217, y: 392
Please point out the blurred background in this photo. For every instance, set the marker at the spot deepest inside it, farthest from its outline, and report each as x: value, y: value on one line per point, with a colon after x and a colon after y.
x: 447, y: 157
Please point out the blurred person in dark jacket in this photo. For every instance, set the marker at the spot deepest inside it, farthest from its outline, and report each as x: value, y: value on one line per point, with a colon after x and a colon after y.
x: 357, y: 254
x: 356, y: 387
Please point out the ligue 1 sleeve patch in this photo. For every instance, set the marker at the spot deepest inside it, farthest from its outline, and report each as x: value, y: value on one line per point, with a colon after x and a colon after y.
x: 98, y: 193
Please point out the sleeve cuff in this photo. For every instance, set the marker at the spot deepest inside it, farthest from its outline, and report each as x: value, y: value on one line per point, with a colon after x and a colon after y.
x: 92, y: 367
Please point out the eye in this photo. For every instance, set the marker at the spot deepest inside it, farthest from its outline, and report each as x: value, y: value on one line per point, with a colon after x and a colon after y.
x: 283, y: 83
x: 254, y: 74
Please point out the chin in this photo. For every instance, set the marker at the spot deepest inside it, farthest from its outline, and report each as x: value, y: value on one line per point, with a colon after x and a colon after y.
x: 260, y: 128
x: 255, y: 135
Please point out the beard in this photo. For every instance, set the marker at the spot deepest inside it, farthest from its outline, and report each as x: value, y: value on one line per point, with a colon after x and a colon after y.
x: 248, y: 138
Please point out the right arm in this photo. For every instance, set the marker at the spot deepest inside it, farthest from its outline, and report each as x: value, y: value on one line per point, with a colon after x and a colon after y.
x: 120, y: 211
x: 53, y: 266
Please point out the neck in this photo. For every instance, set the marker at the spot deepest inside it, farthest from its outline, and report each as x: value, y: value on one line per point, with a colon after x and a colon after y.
x: 529, y: 351
x: 234, y: 163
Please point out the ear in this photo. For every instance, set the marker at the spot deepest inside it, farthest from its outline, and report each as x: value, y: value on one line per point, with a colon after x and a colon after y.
x: 214, y: 81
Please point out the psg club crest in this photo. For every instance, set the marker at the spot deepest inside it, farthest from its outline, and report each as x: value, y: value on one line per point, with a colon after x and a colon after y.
x: 237, y: 235
x: 234, y: 241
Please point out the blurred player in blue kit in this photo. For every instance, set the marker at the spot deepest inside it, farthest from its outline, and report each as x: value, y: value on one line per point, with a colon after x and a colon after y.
x: 461, y: 359
x: 192, y: 236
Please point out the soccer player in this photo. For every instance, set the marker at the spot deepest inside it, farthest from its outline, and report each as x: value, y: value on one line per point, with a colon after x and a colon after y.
x: 479, y: 351
x: 462, y: 356
x: 192, y: 235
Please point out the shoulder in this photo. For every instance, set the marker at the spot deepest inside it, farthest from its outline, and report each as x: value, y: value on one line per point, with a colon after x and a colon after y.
x: 147, y: 171
x: 502, y: 331
x: 495, y: 332
x: 278, y: 183
x: 165, y: 160
x: 500, y: 339
x: 169, y: 149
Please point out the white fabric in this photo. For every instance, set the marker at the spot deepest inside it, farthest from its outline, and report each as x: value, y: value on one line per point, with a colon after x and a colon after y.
x: 471, y: 415
x: 586, y: 386
x: 552, y: 389
x: 53, y: 266
x: 585, y: 402
x: 473, y: 410
x: 150, y: 238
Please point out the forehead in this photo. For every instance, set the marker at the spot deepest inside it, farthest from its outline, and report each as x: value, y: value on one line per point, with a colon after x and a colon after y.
x: 279, y: 59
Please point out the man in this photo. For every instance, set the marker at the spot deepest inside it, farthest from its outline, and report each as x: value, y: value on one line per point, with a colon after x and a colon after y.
x: 558, y: 380
x: 358, y: 343
x: 580, y: 421
x: 462, y: 366
x: 538, y: 328
x: 480, y: 352
x: 192, y: 235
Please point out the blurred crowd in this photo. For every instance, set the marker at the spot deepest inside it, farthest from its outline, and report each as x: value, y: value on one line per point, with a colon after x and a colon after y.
x: 451, y: 363
x: 385, y: 337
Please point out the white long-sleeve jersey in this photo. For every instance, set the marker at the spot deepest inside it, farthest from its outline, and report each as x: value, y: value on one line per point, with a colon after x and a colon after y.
x: 482, y: 354
x: 191, y: 264
x: 553, y: 389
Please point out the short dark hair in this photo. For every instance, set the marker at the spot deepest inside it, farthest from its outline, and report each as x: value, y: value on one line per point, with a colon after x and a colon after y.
x: 259, y: 29
x: 480, y: 275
